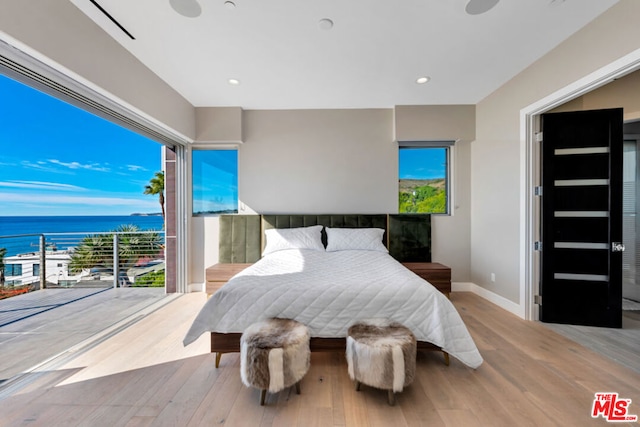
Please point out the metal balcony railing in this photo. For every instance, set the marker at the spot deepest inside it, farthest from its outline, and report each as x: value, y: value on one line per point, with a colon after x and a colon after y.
x: 101, y: 259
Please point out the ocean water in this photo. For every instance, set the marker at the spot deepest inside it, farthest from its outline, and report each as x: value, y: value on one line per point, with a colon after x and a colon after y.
x: 21, y: 225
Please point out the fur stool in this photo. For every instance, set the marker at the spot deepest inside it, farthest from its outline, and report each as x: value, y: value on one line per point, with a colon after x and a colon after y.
x: 274, y: 354
x: 381, y: 354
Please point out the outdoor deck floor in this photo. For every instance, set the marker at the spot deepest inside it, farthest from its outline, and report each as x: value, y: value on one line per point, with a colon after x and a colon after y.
x: 40, y: 325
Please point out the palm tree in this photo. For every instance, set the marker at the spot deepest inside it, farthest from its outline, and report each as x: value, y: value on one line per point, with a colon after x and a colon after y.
x: 156, y: 186
x: 96, y: 251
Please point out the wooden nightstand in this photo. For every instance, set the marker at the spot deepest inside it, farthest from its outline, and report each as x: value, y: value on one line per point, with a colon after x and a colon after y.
x: 219, y: 274
x: 437, y: 274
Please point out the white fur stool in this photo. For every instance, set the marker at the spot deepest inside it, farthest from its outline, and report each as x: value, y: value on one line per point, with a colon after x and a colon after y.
x: 274, y: 354
x: 381, y: 354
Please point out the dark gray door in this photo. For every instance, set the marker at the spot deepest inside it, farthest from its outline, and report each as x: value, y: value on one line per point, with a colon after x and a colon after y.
x: 582, y: 218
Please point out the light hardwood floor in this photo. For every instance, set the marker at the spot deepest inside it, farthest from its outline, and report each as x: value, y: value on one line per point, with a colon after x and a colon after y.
x: 143, y: 376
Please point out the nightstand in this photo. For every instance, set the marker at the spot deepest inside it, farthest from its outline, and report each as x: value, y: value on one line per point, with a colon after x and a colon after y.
x: 219, y: 274
x: 437, y: 274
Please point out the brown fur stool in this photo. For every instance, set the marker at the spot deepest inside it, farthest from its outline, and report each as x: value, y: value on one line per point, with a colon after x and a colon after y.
x: 274, y: 354
x: 381, y: 354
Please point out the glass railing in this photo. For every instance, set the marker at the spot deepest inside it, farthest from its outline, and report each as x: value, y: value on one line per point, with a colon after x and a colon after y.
x: 102, y: 259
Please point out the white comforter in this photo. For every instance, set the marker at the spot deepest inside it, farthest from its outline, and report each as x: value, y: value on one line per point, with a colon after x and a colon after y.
x: 329, y: 291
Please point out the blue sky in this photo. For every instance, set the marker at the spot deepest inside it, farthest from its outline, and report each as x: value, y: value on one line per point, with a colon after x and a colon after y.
x: 56, y: 159
x: 215, y: 181
x: 422, y: 163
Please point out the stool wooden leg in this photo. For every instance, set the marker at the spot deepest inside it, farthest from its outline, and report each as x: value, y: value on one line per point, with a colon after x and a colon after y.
x: 446, y: 357
x: 218, y: 356
x: 357, y: 385
x: 392, y: 397
x: 298, y: 387
x: 263, y: 394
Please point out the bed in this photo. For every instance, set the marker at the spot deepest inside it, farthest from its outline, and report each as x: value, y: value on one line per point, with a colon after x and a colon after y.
x: 328, y: 271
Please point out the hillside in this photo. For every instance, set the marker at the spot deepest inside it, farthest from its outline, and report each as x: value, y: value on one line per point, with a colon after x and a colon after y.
x: 422, y: 196
x: 408, y: 185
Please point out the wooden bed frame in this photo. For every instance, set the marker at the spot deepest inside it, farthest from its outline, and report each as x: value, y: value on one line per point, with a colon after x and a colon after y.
x: 239, y: 247
x: 230, y: 343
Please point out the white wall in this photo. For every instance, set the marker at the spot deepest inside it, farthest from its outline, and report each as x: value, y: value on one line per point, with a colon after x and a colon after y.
x: 496, y: 155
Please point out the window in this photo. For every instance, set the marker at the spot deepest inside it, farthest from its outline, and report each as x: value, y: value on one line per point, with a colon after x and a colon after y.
x: 424, y: 177
x: 13, y: 269
x: 36, y: 269
x: 215, y: 181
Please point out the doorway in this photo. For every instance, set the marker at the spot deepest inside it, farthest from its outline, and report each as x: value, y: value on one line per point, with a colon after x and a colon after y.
x: 631, y: 220
x: 612, y: 86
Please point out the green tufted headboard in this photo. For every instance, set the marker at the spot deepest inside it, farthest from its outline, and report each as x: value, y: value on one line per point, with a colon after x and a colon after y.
x: 408, y: 237
x: 240, y: 240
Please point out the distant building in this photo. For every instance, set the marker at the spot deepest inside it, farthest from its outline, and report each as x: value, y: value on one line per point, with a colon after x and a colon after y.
x: 24, y: 269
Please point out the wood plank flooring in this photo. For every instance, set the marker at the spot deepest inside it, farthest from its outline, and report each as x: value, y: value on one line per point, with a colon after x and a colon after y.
x: 143, y: 376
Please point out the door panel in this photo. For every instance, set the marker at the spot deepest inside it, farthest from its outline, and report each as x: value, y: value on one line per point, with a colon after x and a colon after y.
x: 581, y: 167
x: 581, y: 261
x: 587, y: 304
x: 582, y: 229
x: 581, y: 217
x: 582, y: 198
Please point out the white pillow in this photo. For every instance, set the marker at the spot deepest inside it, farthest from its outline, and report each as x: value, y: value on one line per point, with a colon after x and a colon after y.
x: 366, y: 239
x: 279, y: 239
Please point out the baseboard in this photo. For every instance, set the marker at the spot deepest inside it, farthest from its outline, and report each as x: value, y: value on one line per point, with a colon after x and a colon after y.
x: 197, y: 287
x: 496, y: 299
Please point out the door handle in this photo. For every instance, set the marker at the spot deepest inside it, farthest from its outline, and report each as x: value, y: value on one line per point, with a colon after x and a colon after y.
x: 617, y: 247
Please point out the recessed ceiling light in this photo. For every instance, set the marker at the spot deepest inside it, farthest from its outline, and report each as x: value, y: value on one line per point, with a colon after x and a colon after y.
x: 422, y: 80
x: 234, y: 82
x: 325, y: 24
x: 229, y: 5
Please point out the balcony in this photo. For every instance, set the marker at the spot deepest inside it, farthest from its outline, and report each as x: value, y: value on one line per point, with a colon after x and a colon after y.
x: 61, y: 291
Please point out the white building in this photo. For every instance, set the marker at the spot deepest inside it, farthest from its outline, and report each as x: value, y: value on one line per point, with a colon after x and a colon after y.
x: 24, y: 269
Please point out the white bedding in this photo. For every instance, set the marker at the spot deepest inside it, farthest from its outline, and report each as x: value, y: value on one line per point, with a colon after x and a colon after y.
x: 329, y: 291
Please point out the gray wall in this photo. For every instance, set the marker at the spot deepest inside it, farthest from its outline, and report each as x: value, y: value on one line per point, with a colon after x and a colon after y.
x: 319, y: 161
x: 497, y: 155
x: 342, y: 161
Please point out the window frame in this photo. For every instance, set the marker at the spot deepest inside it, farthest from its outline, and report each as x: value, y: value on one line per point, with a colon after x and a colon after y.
x: 449, y: 147
x: 219, y: 147
x: 27, y: 66
x: 11, y: 268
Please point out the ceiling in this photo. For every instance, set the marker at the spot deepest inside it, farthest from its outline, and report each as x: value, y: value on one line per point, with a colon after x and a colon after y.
x: 370, y: 58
